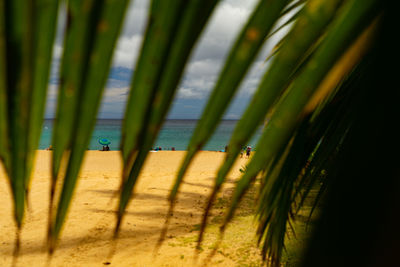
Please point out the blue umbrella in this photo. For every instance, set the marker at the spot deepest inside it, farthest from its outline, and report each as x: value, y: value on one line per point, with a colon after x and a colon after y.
x: 104, y: 142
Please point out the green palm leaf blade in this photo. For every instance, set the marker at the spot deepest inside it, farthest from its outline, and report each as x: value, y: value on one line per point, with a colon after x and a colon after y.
x: 164, y: 19
x: 45, y: 30
x: 239, y: 60
x: 72, y: 71
x: 312, y: 20
x: 191, y: 24
x: 292, y: 5
x: 346, y: 27
x: 327, y: 149
x: 105, y: 24
x: 163, y: 22
x: 290, y: 20
x: 73, y: 68
x: 4, y: 143
x: 19, y: 47
x: 160, y: 33
x: 275, y: 206
x: 332, y: 116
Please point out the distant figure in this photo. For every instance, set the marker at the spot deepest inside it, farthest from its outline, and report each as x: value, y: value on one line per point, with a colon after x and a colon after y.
x: 104, y: 142
x: 248, y: 150
x: 241, y: 153
x: 50, y: 147
x: 173, y: 148
x: 226, y: 148
x: 159, y: 148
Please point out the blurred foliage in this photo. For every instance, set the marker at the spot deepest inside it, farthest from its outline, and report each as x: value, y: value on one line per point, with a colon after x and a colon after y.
x: 329, y: 124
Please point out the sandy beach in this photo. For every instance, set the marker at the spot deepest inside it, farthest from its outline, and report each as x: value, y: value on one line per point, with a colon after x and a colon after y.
x: 86, y: 237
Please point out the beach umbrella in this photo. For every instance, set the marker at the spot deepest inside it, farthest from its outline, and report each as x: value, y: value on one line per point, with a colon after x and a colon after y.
x: 104, y: 141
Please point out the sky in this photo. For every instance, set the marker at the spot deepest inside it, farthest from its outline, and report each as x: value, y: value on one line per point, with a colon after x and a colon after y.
x: 200, y: 73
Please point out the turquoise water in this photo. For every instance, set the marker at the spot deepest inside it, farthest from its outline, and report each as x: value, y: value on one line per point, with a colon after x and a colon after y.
x: 175, y: 133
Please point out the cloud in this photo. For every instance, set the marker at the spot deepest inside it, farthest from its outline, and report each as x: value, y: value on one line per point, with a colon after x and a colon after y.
x: 113, y: 102
x: 189, y: 93
x: 202, y: 70
x: 127, y: 51
x: 221, y: 31
x: 129, y: 43
x: 115, y: 95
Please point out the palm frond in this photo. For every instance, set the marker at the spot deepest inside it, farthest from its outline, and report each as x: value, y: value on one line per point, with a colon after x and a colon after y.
x: 241, y: 57
x: 26, y: 46
x: 319, y: 93
x: 303, y: 35
x: 279, y: 194
x: 192, y: 19
x: 344, y: 30
x: 366, y: 187
x: 45, y: 30
x: 89, y: 44
x: 160, y: 32
x: 4, y: 147
x: 19, y: 47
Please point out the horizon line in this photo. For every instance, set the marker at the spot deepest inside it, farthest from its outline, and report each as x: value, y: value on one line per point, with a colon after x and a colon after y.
x: 224, y: 119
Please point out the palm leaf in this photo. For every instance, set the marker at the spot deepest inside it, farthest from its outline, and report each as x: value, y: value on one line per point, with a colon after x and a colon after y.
x: 19, y: 47
x: 331, y: 118
x: 344, y: 30
x: 365, y: 188
x: 241, y: 56
x: 161, y: 28
x: 73, y: 66
x: 192, y: 22
x: 318, y: 121
x: 303, y: 35
x: 27, y: 33
x: 331, y: 123
x: 277, y: 204
x: 97, y: 37
x: 4, y: 143
x: 292, y: 18
x: 77, y: 42
x: 45, y: 29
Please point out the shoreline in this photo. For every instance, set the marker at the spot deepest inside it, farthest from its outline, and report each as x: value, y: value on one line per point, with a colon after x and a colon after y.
x: 163, y: 150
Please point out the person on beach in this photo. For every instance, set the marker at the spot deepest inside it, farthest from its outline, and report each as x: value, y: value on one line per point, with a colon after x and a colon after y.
x: 248, y: 151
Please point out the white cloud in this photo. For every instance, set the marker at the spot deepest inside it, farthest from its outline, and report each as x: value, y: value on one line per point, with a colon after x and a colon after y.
x: 127, y: 51
x: 129, y: 42
x: 189, y: 93
x: 200, y: 78
x: 221, y: 31
x: 135, y: 18
x: 115, y: 95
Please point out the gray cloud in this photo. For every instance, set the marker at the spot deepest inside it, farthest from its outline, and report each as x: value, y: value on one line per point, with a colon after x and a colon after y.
x: 201, y: 71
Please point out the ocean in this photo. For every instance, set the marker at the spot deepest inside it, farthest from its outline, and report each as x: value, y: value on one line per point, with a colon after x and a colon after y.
x: 174, y: 133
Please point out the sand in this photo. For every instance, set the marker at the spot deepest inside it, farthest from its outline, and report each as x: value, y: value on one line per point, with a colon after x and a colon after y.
x: 86, y: 236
